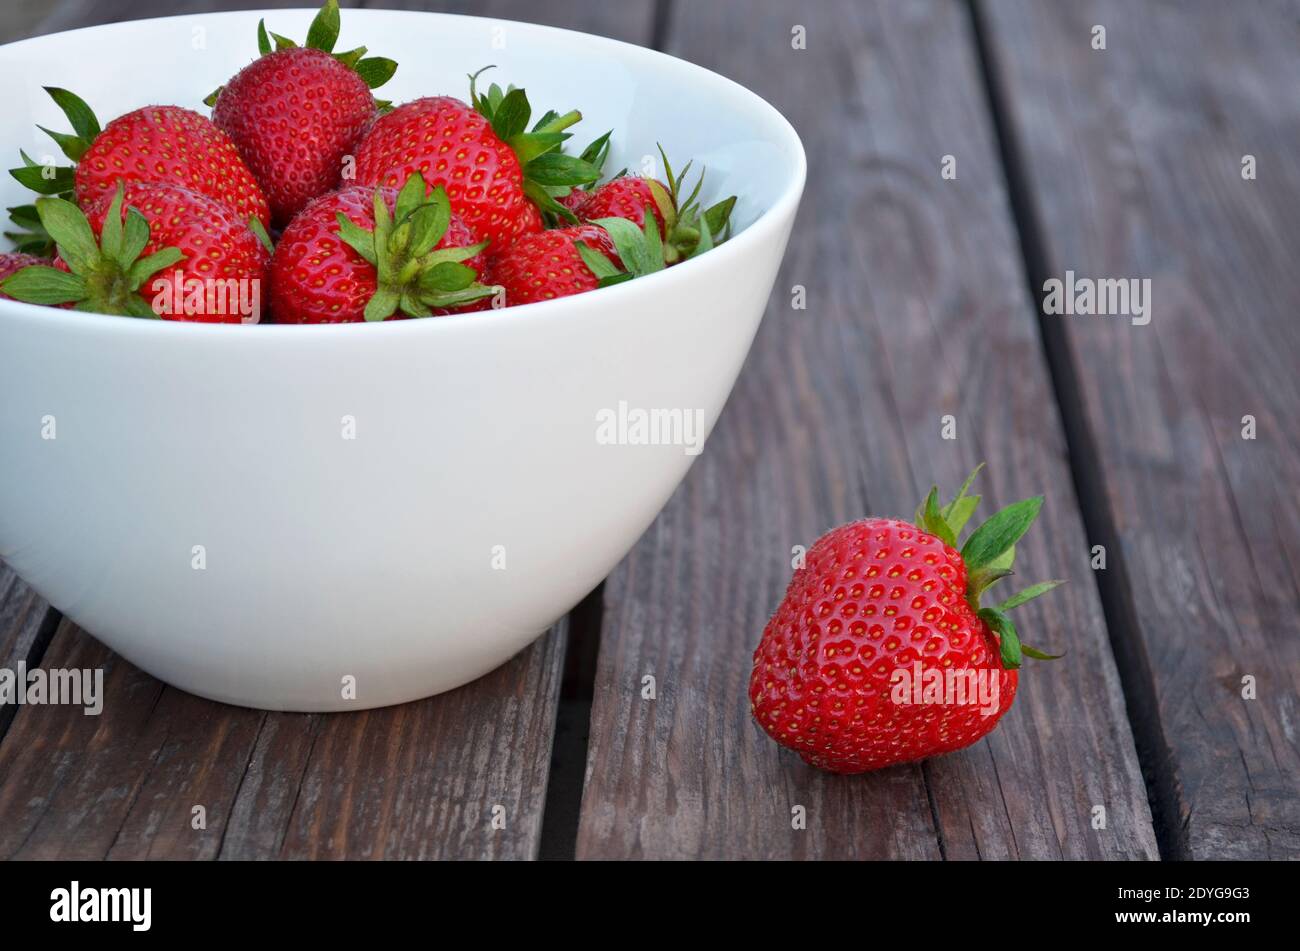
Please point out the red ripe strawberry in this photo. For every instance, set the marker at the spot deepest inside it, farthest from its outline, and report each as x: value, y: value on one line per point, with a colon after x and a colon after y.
x: 149, y: 250
x: 454, y: 147
x: 549, y: 264
x: 295, y: 112
x: 686, y: 228
x: 581, y: 258
x: 629, y: 197
x: 328, y: 266
x: 14, y: 261
x: 574, y: 200
x: 880, y: 652
x: 496, y: 173
x: 165, y: 144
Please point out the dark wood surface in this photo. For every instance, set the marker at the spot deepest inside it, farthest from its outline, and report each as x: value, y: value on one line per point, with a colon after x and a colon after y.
x: 916, y: 309
x: 26, y: 623
x: 420, y: 780
x: 923, y: 297
x: 1131, y: 163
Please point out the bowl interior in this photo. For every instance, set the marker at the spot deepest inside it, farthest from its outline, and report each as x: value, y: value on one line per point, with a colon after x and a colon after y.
x: 645, y: 97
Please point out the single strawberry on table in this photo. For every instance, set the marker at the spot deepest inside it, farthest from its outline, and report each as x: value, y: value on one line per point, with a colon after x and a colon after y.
x: 374, y: 253
x: 296, y: 112
x: 165, y: 144
x: 148, y: 250
x: 498, y: 174
x: 881, y: 653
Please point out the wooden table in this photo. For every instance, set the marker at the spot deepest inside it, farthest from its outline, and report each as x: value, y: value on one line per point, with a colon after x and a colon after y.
x: 923, y: 300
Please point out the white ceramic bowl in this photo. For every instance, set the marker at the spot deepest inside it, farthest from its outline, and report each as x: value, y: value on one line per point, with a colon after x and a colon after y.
x: 373, y: 558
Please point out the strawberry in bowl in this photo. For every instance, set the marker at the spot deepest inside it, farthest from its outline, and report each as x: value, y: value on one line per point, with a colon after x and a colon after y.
x: 295, y: 112
x: 374, y: 253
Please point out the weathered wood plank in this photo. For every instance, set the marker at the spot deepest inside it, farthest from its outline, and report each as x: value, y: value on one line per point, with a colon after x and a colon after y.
x: 421, y: 780
x: 632, y: 20
x: 25, y: 18
x: 629, y: 20
x: 26, y: 622
x: 22, y: 18
x: 1132, y: 161
x: 916, y: 309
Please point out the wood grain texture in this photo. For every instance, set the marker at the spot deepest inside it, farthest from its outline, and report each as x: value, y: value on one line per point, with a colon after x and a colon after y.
x: 20, y: 19
x: 416, y: 781
x: 916, y: 309
x: 25, y: 18
x: 629, y: 20
x: 23, y: 613
x: 26, y: 621
x: 1132, y: 162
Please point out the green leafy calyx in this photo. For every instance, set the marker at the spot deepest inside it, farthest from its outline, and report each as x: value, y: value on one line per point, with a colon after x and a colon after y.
x: 411, y: 275
x: 104, y: 276
x: 29, y: 235
x: 48, y: 179
x: 988, y: 553
x: 640, y: 249
x: 690, y: 228
x: 549, y: 173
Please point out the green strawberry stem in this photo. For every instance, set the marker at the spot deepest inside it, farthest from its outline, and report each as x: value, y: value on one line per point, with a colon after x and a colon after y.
x: 548, y: 172
x: 56, y: 179
x: 411, y: 275
x: 323, y: 35
x: 259, y: 231
x: 691, y: 230
x: 988, y: 553
x: 105, y: 275
x: 30, y: 236
x: 642, y: 250
x: 595, y: 155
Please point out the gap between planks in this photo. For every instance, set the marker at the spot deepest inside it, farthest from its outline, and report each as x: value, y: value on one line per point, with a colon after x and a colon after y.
x: 1113, y: 586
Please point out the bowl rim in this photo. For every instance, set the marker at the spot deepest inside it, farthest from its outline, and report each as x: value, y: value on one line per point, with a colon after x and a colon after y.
x: 768, y: 220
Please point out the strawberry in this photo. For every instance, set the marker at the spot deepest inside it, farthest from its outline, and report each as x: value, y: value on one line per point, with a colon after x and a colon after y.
x: 564, y: 261
x: 498, y: 176
x: 165, y: 144
x: 366, y: 253
x: 629, y: 196
x: 296, y: 112
x: 880, y: 652
x: 148, y: 250
x: 549, y: 264
x: 681, y: 222
x: 16, y: 261
x: 573, y: 201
